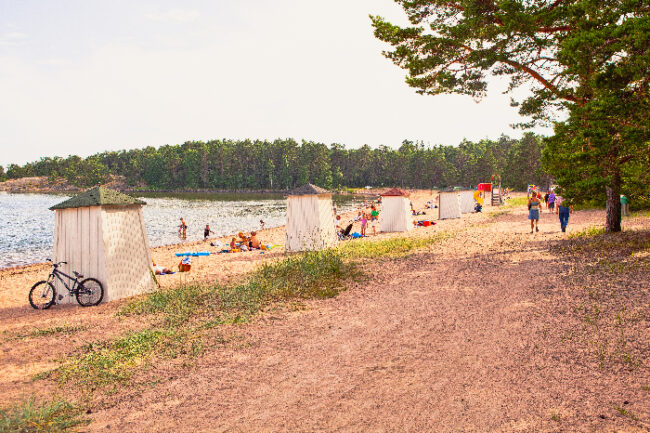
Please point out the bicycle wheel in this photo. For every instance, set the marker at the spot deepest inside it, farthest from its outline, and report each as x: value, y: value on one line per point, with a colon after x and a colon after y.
x: 90, y: 292
x: 41, y: 297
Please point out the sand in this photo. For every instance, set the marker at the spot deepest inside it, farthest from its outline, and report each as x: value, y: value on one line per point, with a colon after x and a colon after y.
x: 473, y: 334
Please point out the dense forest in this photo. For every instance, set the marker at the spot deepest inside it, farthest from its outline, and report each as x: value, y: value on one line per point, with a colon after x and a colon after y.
x: 285, y: 164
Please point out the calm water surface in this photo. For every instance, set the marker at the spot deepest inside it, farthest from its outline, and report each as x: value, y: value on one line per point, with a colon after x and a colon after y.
x: 27, y: 226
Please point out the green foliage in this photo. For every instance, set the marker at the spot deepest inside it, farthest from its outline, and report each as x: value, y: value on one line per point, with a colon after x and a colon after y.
x: 286, y: 164
x: 588, y: 232
x: 52, y: 416
x: 589, y: 58
x: 3, y: 175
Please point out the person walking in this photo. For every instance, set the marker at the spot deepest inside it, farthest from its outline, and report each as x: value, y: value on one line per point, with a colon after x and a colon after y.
x: 546, y: 198
x: 551, y: 201
x: 533, y: 212
x: 564, y: 208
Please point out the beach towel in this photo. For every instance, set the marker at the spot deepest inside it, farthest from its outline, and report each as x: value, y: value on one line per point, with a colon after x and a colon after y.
x: 356, y: 235
x: 194, y: 253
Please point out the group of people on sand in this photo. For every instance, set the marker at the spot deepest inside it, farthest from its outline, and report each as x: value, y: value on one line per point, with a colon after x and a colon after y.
x: 367, y: 217
x: 536, y: 202
x: 246, y: 243
x: 207, y: 231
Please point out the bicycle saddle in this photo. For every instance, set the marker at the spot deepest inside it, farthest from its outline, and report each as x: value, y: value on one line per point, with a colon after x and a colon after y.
x: 77, y: 274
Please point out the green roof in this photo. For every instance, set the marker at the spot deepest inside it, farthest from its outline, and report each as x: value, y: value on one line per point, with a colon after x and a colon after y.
x: 98, y: 196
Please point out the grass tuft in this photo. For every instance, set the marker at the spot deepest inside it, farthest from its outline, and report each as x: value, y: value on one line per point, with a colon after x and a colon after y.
x: 52, y: 416
x: 588, y: 232
x: 395, y: 247
x: 65, y: 329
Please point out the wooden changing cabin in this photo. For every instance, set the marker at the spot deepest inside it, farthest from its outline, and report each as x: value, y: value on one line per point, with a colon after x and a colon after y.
x: 101, y: 234
x: 448, y: 205
x: 310, y: 219
x: 396, y: 215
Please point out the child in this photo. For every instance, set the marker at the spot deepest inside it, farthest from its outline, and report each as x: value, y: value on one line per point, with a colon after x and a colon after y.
x: 206, y: 232
x: 262, y: 223
x: 182, y: 229
x: 364, y: 222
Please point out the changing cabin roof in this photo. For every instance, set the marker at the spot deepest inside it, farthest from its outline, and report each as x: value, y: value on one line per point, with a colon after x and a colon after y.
x: 308, y: 189
x: 98, y: 196
x: 395, y: 192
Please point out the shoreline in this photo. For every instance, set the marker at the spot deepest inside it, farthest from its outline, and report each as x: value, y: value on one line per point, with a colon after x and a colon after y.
x: 41, y: 185
x: 15, y: 281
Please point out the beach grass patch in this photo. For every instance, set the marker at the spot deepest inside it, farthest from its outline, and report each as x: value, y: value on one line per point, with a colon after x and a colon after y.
x: 390, y: 248
x: 30, y: 416
x: 516, y: 202
x: 188, y: 314
x: 588, y: 232
x: 52, y: 330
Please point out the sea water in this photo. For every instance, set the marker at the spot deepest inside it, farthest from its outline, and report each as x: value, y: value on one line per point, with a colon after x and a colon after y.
x: 27, y: 224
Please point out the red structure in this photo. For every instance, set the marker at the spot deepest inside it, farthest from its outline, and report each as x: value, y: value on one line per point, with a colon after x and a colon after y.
x: 484, y: 187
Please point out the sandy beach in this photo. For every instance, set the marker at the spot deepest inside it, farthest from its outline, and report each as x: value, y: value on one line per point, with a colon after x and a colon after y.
x: 488, y: 330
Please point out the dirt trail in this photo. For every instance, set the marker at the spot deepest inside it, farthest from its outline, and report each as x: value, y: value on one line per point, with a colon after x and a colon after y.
x: 463, y: 337
x: 468, y: 335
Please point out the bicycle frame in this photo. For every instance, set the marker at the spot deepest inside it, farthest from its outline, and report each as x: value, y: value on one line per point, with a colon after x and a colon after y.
x: 56, y: 273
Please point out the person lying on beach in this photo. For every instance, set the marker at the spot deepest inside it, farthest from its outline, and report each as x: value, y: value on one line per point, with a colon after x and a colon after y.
x: 161, y: 270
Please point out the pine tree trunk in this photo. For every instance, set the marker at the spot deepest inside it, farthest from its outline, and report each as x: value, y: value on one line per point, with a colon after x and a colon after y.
x: 613, y: 223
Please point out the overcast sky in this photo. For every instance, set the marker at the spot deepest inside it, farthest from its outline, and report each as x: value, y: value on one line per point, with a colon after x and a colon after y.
x: 80, y: 77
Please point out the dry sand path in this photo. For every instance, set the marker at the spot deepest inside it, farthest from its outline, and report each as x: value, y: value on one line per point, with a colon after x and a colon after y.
x: 469, y: 335
x: 464, y: 337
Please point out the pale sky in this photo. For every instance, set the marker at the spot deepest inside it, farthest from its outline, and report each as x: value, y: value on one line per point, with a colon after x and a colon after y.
x: 80, y: 77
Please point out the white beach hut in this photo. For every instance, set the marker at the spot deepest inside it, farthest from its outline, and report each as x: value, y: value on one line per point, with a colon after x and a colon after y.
x: 467, y: 201
x: 310, y: 219
x: 448, y: 205
x: 101, y: 234
x: 395, y: 211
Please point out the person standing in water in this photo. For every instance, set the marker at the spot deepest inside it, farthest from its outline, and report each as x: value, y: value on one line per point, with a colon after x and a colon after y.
x: 533, y: 212
x: 182, y: 229
x: 206, y: 232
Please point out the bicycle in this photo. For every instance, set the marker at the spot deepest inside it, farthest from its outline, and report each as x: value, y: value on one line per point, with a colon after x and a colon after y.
x: 88, y: 292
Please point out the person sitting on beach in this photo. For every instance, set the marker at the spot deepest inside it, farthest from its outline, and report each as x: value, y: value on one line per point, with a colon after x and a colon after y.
x: 254, y: 242
x: 206, y: 232
x: 243, y: 241
x: 233, y: 245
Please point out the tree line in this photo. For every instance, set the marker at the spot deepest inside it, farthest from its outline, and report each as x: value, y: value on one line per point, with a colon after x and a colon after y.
x: 285, y: 164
